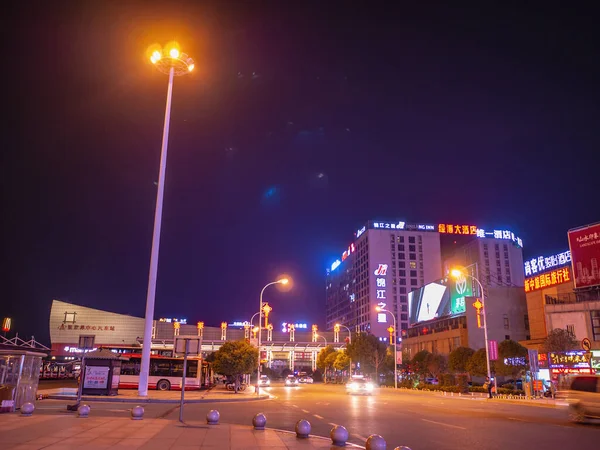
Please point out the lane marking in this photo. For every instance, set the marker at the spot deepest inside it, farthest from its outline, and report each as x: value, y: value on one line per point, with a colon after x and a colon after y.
x: 295, y: 406
x: 332, y: 424
x: 519, y: 420
x: 442, y: 423
x: 305, y: 411
x: 318, y: 416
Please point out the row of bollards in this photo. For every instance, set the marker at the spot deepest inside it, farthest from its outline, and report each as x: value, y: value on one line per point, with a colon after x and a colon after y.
x: 339, y: 434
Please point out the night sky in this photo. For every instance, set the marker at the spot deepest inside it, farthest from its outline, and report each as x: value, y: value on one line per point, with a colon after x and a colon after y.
x: 302, y: 121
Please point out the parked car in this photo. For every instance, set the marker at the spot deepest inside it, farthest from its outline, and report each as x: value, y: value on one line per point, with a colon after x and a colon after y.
x: 515, y: 384
x: 308, y: 380
x: 583, y: 397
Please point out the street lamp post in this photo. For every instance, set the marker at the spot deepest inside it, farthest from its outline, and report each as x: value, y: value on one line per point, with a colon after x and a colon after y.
x: 380, y: 309
x: 174, y: 63
x: 323, y: 337
x: 281, y: 281
x: 349, y: 342
x: 457, y: 273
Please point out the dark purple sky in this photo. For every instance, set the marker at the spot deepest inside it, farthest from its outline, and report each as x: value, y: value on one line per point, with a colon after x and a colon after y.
x: 487, y: 116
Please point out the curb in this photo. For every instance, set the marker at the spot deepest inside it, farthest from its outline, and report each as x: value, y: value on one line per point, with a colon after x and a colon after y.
x: 151, y: 400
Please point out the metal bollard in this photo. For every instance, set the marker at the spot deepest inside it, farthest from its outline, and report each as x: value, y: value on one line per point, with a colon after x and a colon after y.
x: 339, y: 435
x: 212, y: 418
x: 375, y: 442
x: 137, y: 413
x: 303, y: 428
x: 27, y: 409
x: 259, y: 421
x: 83, y: 411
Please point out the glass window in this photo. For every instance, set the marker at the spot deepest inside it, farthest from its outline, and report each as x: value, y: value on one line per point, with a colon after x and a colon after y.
x: 401, y: 255
x: 400, y: 247
x: 413, y: 265
x: 403, y: 281
x: 412, y: 256
x: 595, y: 324
x: 411, y: 239
x: 412, y: 248
x: 159, y: 368
x: 401, y: 264
x: 413, y: 273
x: 414, y: 282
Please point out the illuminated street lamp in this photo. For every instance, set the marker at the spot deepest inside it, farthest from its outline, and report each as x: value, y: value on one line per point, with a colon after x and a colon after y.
x: 283, y: 281
x: 349, y: 342
x: 380, y: 309
x: 171, y: 61
x: 457, y: 273
x: 322, y: 337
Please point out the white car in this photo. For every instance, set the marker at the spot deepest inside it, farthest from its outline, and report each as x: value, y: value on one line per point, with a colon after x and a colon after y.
x: 308, y: 380
x: 360, y: 386
x: 264, y: 381
x: 291, y: 381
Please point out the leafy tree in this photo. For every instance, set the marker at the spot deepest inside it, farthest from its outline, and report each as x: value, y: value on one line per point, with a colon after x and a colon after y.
x: 342, y: 361
x: 437, y: 365
x: 477, y: 364
x: 458, y: 359
x: 326, y: 358
x: 512, y: 359
x: 559, y: 340
x: 367, y: 349
x: 420, y: 363
x: 235, y: 358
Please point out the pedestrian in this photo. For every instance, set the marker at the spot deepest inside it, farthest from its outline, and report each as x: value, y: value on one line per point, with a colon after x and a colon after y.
x: 552, y: 389
x: 488, y: 386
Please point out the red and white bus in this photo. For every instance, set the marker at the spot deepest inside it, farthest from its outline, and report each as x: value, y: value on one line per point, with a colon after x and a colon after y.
x: 166, y: 373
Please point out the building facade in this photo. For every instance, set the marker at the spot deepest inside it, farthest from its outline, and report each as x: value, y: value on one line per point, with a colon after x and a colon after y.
x: 380, y: 267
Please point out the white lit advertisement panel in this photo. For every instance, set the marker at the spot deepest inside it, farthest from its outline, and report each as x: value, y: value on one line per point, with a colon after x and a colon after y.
x: 429, y: 302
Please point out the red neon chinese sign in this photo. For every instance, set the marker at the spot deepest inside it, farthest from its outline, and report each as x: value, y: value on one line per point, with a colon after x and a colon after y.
x: 549, y: 279
x: 457, y: 229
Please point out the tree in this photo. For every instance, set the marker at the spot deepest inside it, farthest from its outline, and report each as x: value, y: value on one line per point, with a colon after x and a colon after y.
x: 477, y: 364
x: 420, y: 363
x: 326, y: 358
x: 437, y: 365
x: 235, y: 358
x: 342, y: 361
x: 512, y: 359
x: 458, y: 359
x: 367, y: 349
x: 559, y: 340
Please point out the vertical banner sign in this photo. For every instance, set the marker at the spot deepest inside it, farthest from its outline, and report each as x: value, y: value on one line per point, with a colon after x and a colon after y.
x: 533, y: 361
x: 493, y: 350
x: 460, y: 290
x: 585, y: 255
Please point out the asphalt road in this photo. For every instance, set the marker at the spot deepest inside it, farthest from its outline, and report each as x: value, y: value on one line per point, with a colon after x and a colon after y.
x: 421, y: 421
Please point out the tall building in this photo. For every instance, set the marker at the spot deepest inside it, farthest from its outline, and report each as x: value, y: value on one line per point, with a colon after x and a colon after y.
x: 385, y: 262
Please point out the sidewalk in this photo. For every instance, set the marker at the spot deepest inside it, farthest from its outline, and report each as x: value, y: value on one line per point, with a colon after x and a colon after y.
x: 517, y: 400
x: 62, y: 432
x: 216, y: 394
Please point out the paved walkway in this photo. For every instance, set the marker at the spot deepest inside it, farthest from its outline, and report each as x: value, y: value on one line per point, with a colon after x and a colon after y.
x: 216, y: 394
x: 61, y: 432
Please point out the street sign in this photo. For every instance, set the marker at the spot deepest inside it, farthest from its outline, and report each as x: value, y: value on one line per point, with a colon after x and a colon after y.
x: 193, y: 345
x: 493, y: 350
x: 533, y: 361
x: 586, y: 344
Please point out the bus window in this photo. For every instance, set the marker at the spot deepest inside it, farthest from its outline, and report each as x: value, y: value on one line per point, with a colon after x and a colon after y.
x: 192, y: 369
x: 160, y: 368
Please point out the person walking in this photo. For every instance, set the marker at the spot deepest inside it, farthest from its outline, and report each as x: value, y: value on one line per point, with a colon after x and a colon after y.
x: 488, y: 386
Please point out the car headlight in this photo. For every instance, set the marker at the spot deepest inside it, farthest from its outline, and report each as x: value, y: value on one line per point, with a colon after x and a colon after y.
x: 353, y: 385
x: 369, y: 386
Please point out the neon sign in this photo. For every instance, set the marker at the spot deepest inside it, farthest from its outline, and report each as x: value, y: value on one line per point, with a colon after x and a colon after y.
x: 380, y: 273
x: 389, y: 226
x: 549, y: 279
x: 335, y: 265
x: 285, y: 326
x: 457, y: 229
x: 542, y: 263
x: 169, y: 320
x: 361, y: 231
x: 472, y: 230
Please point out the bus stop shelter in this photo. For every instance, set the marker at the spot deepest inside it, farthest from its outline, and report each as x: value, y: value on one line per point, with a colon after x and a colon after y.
x: 19, y: 377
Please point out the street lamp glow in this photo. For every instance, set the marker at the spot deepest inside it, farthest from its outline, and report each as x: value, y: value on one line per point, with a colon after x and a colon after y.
x: 284, y: 281
x: 173, y: 64
x: 456, y: 273
x: 378, y: 309
x: 191, y: 67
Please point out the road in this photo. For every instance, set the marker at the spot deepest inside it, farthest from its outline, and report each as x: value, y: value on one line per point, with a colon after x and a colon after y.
x: 421, y: 421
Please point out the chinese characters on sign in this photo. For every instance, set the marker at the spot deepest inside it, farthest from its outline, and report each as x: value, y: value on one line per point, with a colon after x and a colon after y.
x: 542, y: 263
x: 570, y: 360
x: 297, y: 326
x: 86, y: 327
x: 389, y: 226
x: 457, y: 229
x: 380, y: 282
x: 549, y: 279
x: 479, y: 232
x: 585, y: 251
x: 169, y: 320
x: 96, y: 377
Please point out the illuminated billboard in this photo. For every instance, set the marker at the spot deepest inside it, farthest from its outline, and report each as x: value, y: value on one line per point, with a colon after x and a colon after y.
x: 548, y: 279
x: 543, y: 263
x: 441, y: 298
x: 585, y: 255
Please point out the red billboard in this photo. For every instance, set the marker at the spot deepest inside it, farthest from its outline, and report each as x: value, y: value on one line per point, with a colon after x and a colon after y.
x: 584, y: 243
